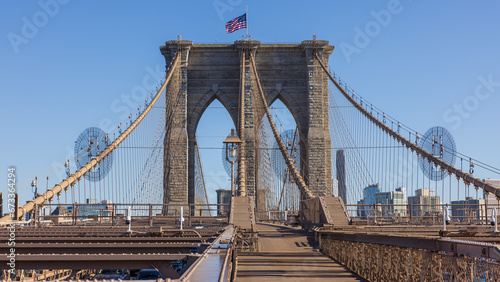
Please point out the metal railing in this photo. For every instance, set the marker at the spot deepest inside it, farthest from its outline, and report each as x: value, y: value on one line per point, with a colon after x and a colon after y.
x: 472, y: 213
x: 109, y: 213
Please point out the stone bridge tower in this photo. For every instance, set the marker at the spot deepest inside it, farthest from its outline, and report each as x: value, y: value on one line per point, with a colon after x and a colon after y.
x: 288, y: 72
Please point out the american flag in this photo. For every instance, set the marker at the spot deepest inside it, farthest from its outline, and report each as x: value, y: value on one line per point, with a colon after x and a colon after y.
x: 236, y: 23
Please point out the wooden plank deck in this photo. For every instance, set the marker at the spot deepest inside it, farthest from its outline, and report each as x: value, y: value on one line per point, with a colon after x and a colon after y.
x: 289, y: 254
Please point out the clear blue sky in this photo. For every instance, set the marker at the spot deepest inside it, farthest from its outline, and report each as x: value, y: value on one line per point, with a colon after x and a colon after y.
x: 64, y: 65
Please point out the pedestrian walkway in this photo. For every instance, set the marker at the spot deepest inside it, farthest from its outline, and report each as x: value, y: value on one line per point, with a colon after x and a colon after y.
x: 289, y: 254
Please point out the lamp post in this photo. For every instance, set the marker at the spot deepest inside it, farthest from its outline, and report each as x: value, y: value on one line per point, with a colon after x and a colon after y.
x: 231, y: 143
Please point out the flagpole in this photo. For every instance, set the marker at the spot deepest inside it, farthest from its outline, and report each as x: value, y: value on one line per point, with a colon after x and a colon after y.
x: 246, y: 14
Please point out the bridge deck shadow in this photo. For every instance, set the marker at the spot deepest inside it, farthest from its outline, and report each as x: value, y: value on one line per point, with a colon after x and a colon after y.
x: 289, y: 254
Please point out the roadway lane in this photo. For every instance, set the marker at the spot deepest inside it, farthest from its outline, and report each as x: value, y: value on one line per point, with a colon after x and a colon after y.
x: 289, y: 254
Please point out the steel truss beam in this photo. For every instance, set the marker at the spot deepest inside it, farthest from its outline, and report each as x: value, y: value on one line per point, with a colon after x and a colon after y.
x: 462, y: 247
x: 378, y: 262
x: 95, y: 261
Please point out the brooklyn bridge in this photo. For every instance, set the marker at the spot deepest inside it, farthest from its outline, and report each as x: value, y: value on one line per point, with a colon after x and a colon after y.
x: 348, y: 193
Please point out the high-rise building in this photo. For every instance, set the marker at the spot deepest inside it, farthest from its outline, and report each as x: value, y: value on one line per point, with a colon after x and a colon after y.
x: 424, y: 192
x: 393, y: 203
x: 468, y: 209
x: 93, y: 207
x: 341, y: 175
x: 223, y: 197
x: 400, y: 201
x: 425, y: 203
x: 45, y: 210
x: 402, y: 190
x: 369, y: 194
x: 368, y: 200
x: 360, y: 209
x: 490, y: 199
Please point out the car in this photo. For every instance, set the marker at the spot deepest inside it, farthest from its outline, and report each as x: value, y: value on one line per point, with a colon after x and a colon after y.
x: 178, y: 265
x: 194, y: 250
x: 149, y: 274
x: 113, y: 274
